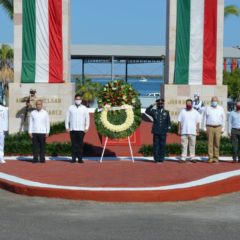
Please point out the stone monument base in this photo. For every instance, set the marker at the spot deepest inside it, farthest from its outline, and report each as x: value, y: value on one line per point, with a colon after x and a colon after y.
x: 56, y: 99
x: 176, y: 95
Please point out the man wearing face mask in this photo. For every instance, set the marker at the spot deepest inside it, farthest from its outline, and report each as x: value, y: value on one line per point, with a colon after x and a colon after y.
x: 188, y: 128
x: 160, y: 128
x: 77, y: 123
x: 234, y: 132
x: 214, y: 124
x: 39, y: 127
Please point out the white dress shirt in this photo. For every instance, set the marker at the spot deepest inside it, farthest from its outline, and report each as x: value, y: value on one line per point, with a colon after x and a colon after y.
x: 77, y: 118
x: 233, y: 121
x: 39, y: 122
x: 188, y: 121
x: 214, y: 116
x: 3, y: 119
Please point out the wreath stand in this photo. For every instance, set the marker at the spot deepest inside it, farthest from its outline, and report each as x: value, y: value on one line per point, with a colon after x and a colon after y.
x: 105, y: 144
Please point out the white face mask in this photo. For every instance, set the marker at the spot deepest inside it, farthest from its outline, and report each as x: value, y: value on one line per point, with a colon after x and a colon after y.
x: 78, y: 102
x: 214, y: 103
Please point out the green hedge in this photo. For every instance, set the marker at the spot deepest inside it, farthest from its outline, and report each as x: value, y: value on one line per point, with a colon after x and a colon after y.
x: 52, y: 149
x: 201, y: 148
x: 57, y: 128
x: 20, y: 143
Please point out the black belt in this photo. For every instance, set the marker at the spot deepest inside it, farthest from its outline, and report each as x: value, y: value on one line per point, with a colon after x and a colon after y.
x: 214, y: 126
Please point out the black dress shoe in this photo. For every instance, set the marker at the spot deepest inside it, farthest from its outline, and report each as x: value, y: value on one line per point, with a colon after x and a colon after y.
x: 80, y: 161
x: 42, y: 161
x: 73, y: 161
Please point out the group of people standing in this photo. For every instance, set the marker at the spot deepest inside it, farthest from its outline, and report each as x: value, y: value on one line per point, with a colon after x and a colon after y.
x: 76, y: 123
x: 193, y: 117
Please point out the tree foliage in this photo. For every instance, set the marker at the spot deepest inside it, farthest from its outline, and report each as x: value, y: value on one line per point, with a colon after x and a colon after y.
x: 231, y: 10
x: 6, y: 56
x: 8, y: 6
x: 232, y: 79
x: 87, y: 89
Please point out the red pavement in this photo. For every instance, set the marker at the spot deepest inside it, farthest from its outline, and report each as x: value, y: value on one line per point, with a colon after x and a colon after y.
x: 119, y: 174
x: 114, y: 173
x: 93, y: 138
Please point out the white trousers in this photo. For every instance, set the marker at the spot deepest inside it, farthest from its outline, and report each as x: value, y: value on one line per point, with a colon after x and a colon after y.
x: 1, y: 146
x: 188, y: 141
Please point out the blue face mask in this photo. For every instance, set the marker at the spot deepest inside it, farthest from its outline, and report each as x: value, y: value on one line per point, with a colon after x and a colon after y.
x: 214, y: 104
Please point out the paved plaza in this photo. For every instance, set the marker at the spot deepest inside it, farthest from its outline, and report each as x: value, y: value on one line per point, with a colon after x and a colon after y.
x: 26, y: 218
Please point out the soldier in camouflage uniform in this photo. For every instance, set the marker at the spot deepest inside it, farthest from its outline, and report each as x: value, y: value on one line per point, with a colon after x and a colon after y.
x: 30, y: 102
x: 160, y: 128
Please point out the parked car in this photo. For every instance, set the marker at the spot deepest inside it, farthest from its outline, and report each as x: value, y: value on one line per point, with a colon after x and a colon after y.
x: 156, y: 94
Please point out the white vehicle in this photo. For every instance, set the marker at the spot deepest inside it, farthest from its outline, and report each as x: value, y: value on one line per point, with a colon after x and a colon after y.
x: 156, y: 94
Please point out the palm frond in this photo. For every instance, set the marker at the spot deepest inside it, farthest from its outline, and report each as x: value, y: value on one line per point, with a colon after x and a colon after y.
x: 231, y: 10
x: 8, y: 6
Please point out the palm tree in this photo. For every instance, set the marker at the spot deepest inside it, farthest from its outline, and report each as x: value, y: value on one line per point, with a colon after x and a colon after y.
x: 6, y: 56
x: 6, y: 70
x: 231, y: 10
x: 8, y: 6
x: 87, y: 89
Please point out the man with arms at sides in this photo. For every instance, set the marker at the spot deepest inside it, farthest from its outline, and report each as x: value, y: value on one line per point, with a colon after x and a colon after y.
x: 77, y: 124
x: 3, y: 130
x: 189, y: 121
x: 214, y: 123
x: 234, y: 132
x: 160, y: 128
x: 39, y: 127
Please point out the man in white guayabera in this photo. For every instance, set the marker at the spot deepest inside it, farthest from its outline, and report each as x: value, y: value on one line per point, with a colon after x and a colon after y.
x: 189, y: 121
x: 214, y: 123
x: 39, y: 127
x: 3, y: 130
x: 77, y: 123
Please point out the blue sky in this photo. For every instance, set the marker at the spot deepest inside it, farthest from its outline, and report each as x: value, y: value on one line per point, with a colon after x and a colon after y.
x: 131, y: 22
x: 127, y: 22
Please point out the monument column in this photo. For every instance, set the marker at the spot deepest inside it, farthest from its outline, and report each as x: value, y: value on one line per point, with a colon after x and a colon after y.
x: 194, y: 62
x: 55, y: 89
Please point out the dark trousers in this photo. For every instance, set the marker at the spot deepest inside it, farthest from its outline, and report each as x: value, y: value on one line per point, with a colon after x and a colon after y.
x: 38, y: 141
x: 77, y: 144
x: 159, y: 144
x: 235, y: 135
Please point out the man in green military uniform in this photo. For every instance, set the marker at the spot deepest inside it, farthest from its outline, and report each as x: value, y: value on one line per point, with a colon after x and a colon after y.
x: 160, y: 128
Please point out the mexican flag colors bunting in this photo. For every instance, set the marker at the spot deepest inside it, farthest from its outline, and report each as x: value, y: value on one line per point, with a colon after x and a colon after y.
x: 196, y: 42
x: 42, y: 48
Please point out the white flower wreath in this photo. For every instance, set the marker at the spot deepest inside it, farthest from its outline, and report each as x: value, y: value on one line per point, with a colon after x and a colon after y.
x: 117, y: 128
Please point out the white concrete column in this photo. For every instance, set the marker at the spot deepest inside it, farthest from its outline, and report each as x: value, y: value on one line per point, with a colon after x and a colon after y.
x: 18, y: 40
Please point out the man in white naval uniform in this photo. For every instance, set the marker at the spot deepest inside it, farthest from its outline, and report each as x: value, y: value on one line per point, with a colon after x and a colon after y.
x: 197, y: 103
x: 3, y: 130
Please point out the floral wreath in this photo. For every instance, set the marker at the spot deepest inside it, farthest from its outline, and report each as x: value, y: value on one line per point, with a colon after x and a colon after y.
x: 119, y: 111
